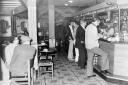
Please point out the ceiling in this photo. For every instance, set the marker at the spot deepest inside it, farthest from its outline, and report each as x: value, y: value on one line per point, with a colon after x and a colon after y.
x: 71, y: 2
x: 63, y: 8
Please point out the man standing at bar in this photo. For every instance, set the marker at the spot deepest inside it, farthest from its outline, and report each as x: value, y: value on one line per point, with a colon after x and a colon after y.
x: 71, y: 40
x: 80, y: 44
x: 92, y: 45
x: 76, y: 50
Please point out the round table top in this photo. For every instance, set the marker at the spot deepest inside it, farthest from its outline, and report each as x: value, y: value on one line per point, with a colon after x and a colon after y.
x: 42, y: 44
x: 49, y: 51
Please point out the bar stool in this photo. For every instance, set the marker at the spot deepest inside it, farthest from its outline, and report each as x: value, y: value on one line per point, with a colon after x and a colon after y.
x: 95, y: 60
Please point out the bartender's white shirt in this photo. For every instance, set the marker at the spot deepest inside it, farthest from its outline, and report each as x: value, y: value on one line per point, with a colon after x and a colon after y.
x: 91, y: 36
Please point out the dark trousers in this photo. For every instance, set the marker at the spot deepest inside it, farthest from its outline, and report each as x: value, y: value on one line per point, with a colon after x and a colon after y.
x: 74, y: 51
x: 82, y: 61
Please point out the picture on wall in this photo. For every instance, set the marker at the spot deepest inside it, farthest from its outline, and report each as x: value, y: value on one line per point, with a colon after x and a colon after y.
x: 5, y: 26
x: 22, y: 26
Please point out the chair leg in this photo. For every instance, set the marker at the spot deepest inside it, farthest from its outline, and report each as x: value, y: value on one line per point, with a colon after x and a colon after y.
x: 39, y: 72
x: 52, y: 71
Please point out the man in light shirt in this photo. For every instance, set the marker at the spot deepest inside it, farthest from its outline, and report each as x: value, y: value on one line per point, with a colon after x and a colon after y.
x: 92, y: 45
x: 71, y: 38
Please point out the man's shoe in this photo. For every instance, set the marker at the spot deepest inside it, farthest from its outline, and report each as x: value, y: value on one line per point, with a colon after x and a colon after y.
x: 91, y: 76
x: 71, y: 59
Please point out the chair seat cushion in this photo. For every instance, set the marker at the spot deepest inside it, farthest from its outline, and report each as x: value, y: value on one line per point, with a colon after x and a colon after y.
x: 45, y: 62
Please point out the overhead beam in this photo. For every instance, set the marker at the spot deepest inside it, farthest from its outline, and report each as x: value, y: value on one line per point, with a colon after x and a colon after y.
x: 51, y: 17
x: 96, y: 7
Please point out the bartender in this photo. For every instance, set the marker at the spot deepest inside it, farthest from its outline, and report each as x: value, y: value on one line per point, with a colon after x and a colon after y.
x: 110, y: 29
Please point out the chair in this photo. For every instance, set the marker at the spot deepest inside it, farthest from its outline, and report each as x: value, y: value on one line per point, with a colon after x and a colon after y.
x: 50, y: 57
x: 45, y: 64
x: 27, y: 78
x: 95, y: 60
x: 46, y: 61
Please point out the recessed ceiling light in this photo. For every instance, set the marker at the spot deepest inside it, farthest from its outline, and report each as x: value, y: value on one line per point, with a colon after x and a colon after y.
x: 66, y: 4
x: 70, y: 1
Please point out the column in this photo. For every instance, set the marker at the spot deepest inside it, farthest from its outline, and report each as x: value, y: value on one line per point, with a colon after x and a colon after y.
x: 51, y: 15
x: 32, y: 26
x: 0, y: 69
x: 32, y: 20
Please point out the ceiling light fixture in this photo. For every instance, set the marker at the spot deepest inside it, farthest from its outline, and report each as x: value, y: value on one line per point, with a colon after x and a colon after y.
x: 70, y: 1
x: 66, y: 4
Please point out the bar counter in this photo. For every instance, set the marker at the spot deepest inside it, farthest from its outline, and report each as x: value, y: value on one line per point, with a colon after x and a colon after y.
x: 118, y: 57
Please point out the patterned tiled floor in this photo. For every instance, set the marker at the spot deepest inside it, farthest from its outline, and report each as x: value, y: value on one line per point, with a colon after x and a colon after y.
x: 68, y: 73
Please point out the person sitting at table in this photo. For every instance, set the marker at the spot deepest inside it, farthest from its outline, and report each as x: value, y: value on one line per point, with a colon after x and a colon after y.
x: 22, y: 53
x: 9, y: 49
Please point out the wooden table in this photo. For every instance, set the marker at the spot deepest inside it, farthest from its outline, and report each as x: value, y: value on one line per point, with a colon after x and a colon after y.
x: 42, y: 46
x: 50, y: 52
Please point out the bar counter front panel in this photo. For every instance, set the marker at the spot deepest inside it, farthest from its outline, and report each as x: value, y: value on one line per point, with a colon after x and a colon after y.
x: 118, y: 57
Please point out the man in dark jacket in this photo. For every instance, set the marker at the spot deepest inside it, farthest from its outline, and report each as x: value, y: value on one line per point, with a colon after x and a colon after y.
x: 80, y: 44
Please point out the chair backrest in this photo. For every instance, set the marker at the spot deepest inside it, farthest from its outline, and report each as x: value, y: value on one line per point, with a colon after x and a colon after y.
x: 26, y: 79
